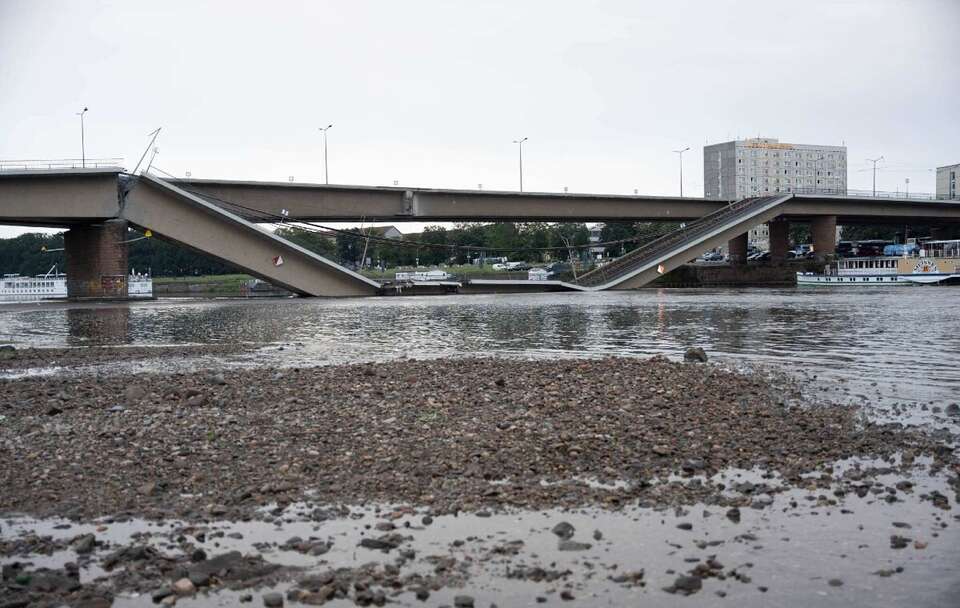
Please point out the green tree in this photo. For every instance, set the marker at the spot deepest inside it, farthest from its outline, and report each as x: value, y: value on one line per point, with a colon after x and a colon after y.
x: 321, y: 243
x: 31, y: 254
x: 616, y: 231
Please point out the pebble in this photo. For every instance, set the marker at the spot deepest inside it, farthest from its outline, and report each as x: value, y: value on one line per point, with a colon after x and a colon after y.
x: 184, y: 586
x: 273, y: 600
x: 572, y: 545
x: 564, y: 530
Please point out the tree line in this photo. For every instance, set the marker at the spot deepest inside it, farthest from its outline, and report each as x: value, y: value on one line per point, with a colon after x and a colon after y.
x: 464, y: 243
x: 535, y: 242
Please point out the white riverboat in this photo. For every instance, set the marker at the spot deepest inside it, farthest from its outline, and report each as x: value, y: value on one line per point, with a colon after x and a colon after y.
x: 53, y: 286
x: 929, y: 263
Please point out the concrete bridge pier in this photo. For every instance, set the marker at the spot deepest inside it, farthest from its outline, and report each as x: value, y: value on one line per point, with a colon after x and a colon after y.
x: 737, y: 250
x: 779, y: 231
x: 96, y: 257
x: 823, y: 229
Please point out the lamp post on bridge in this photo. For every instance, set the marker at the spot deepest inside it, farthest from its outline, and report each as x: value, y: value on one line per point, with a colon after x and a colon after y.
x: 83, y: 144
x: 680, y: 152
x: 875, y: 161
x: 519, y: 142
x: 326, y: 173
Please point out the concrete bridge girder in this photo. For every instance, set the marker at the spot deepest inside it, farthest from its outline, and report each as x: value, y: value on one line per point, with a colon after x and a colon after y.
x: 311, y: 202
x: 181, y: 217
x: 63, y: 198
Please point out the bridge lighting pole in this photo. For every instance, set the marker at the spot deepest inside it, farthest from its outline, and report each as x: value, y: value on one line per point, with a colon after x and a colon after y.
x: 326, y: 173
x: 680, y: 152
x: 83, y: 144
x: 519, y: 142
x: 875, y: 161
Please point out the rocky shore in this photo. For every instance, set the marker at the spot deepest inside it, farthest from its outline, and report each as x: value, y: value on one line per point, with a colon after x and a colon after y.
x: 430, y: 439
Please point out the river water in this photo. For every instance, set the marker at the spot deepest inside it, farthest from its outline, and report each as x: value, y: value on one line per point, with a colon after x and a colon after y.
x: 889, y: 345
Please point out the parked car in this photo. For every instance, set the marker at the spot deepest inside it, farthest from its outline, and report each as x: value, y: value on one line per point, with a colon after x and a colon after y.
x: 517, y: 266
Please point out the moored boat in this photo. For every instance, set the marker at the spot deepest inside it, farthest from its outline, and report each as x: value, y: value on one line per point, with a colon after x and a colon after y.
x: 53, y: 285
x: 931, y: 262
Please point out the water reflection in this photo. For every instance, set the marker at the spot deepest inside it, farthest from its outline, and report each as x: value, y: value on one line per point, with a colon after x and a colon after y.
x: 907, y: 340
x: 101, y: 326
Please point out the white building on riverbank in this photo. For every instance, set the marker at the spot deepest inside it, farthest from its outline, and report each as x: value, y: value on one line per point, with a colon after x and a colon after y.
x: 762, y: 166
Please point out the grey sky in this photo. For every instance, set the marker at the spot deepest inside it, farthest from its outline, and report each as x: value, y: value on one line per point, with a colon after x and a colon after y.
x: 433, y: 93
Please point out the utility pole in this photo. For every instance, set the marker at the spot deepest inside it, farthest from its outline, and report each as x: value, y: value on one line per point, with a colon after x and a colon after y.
x: 680, y: 152
x: 875, y: 161
x: 326, y: 172
x: 83, y: 143
x: 519, y: 142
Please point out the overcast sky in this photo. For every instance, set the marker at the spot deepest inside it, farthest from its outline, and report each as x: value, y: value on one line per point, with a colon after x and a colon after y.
x: 433, y: 93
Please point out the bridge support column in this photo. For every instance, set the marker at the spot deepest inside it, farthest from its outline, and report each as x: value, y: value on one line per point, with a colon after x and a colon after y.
x: 779, y: 240
x: 823, y: 229
x: 737, y: 250
x: 97, y: 260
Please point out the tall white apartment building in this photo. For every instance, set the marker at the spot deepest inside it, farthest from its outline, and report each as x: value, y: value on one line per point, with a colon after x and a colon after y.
x: 762, y: 166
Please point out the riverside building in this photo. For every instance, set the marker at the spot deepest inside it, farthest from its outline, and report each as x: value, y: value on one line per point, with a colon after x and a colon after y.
x: 763, y: 166
x: 947, y: 182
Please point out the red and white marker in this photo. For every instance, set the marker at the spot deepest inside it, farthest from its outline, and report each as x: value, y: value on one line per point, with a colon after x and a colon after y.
x: 278, y: 260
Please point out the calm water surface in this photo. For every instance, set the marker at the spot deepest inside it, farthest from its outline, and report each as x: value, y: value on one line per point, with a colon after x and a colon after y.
x: 897, y: 344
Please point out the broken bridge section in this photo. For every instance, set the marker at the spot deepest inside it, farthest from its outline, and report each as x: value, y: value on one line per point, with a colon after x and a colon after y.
x: 177, y: 215
x: 660, y: 256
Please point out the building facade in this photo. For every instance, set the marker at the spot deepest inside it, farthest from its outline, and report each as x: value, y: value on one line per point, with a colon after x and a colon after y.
x: 762, y: 166
x: 596, y: 235
x: 947, y: 182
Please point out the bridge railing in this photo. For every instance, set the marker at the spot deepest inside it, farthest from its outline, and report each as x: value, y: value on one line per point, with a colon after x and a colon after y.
x: 59, y: 163
x: 920, y: 196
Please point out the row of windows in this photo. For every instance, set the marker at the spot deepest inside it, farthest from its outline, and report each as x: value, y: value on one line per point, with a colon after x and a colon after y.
x: 28, y: 285
x: 860, y: 279
x: 870, y: 264
x: 787, y: 181
x: 740, y: 171
x: 816, y: 155
x: 809, y: 164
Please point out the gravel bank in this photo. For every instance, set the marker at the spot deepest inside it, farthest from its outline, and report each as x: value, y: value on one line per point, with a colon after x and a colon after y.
x: 447, y: 435
x: 15, y: 360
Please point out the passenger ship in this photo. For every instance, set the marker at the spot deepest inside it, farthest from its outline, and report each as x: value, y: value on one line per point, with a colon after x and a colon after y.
x: 929, y: 263
x: 53, y: 285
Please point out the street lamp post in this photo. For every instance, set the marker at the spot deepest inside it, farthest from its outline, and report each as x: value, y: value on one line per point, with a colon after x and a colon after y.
x: 680, y: 152
x: 519, y: 142
x: 326, y: 173
x: 875, y: 161
x: 83, y: 143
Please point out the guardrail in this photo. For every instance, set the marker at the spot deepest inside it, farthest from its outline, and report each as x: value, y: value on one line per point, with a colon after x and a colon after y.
x: 920, y: 196
x: 59, y: 163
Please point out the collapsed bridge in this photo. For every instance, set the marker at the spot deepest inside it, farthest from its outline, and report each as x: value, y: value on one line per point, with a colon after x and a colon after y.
x: 218, y: 217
